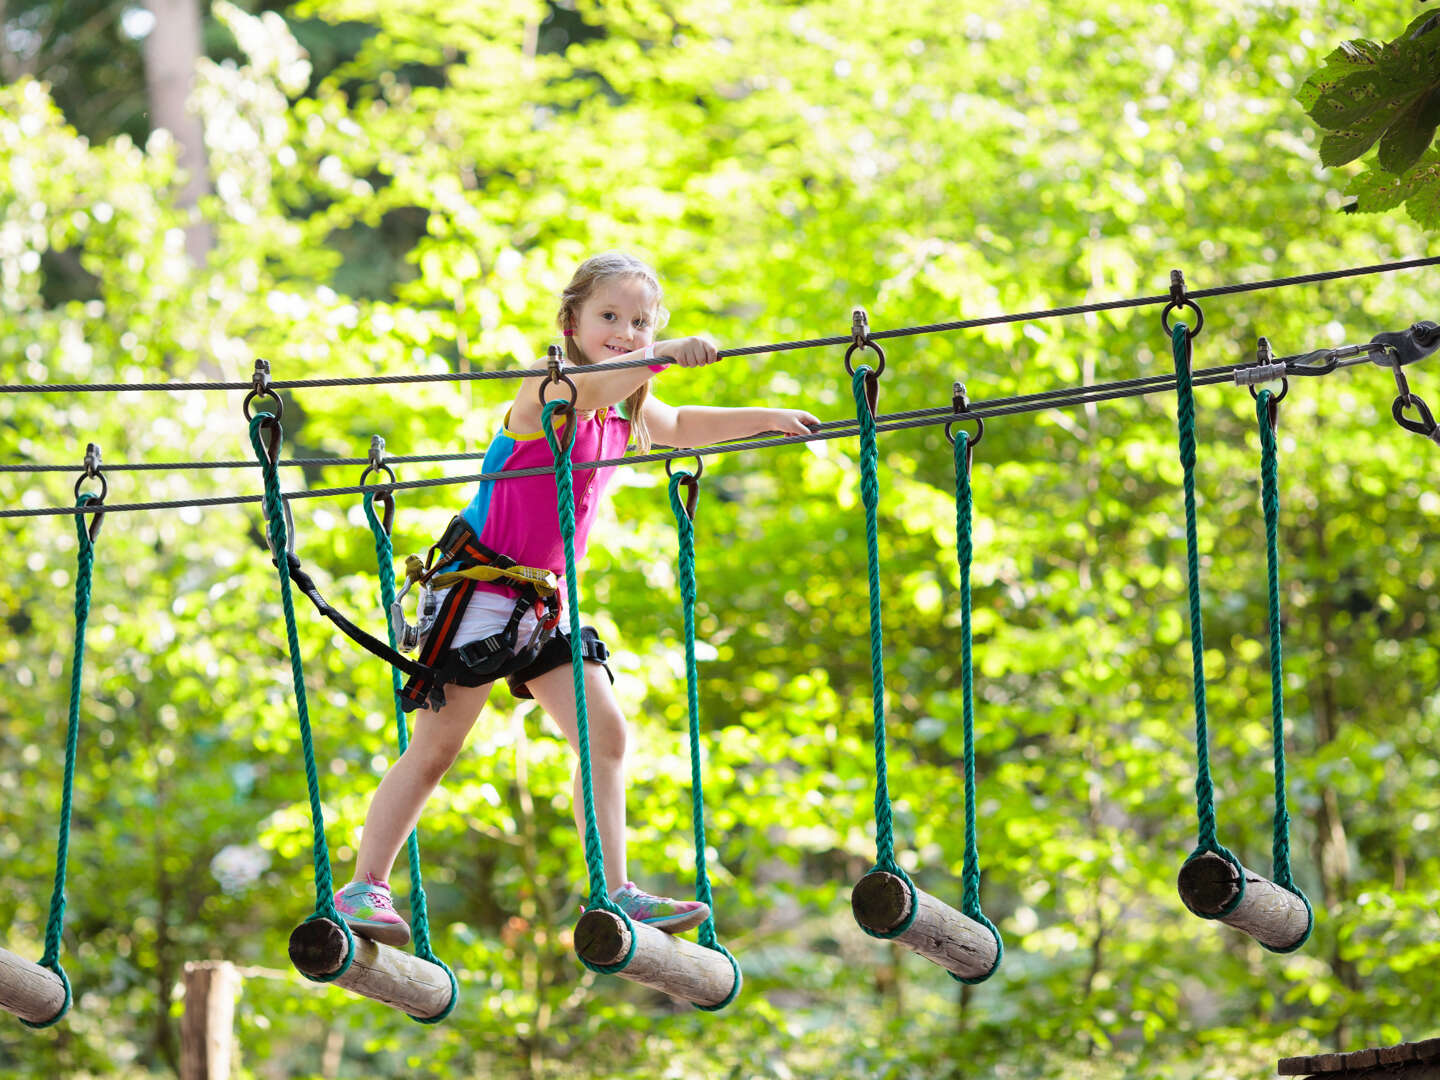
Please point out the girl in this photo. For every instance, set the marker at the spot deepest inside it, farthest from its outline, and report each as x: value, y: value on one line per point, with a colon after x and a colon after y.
x: 611, y: 310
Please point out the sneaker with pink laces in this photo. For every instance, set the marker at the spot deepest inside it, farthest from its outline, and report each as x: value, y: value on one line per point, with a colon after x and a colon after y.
x: 672, y: 916
x: 368, y: 910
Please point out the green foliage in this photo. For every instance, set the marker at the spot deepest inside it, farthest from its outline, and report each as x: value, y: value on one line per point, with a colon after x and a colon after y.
x: 1368, y: 92
x: 409, y: 196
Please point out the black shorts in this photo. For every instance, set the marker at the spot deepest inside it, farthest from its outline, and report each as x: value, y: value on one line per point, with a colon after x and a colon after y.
x: 519, y: 670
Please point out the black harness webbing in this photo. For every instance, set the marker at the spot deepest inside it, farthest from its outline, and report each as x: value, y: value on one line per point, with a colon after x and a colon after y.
x: 458, y: 545
x: 489, y: 655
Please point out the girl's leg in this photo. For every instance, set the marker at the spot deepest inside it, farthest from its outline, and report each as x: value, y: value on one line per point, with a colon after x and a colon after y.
x: 439, y: 737
x: 555, y: 692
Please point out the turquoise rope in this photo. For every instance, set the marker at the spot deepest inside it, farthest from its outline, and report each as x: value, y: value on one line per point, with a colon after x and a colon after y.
x: 85, y: 567
x: 1204, y: 785
x: 1265, y: 404
x: 594, y: 853
x: 419, y: 908
x: 685, y: 529
x: 275, y: 520
x: 870, y: 495
x: 970, y: 876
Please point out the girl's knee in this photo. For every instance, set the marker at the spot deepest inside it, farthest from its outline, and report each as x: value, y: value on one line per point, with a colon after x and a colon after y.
x: 609, y: 735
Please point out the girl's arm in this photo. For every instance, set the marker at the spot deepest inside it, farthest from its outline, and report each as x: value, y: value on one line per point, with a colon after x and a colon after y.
x: 701, y: 425
x: 605, y: 388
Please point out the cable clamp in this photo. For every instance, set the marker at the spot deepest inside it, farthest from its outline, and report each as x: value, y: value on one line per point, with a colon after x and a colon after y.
x: 960, y: 405
x: 260, y: 388
x: 1178, y: 300
x: 860, y: 334
x: 1265, y: 369
x: 92, y: 471
x: 384, y: 495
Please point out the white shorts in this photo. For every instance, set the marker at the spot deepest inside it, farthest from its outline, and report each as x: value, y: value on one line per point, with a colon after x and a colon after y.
x: 488, y: 613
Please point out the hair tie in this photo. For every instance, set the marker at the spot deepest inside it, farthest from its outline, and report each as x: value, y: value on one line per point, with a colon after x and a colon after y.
x: 568, y: 333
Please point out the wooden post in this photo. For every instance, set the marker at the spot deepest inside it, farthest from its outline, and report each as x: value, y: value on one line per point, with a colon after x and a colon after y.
x: 959, y: 944
x: 31, y: 992
x: 1271, y: 915
x: 398, y: 979
x: 207, y: 1030
x: 662, y: 961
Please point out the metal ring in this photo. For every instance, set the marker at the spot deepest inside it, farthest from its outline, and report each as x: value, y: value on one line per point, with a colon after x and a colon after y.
x: 970, y: 443
x: 574, y: 391
x: 1275, y: 398
x: 699, y: 466
x: 253, y: 394
x: 382, y: 467
x: 868, y: 344
x: 1172, y: 306
x: 97, y: 518
x: 104, y: 487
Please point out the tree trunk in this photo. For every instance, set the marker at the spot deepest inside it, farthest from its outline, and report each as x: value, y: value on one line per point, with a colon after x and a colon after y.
x: 172, y: 49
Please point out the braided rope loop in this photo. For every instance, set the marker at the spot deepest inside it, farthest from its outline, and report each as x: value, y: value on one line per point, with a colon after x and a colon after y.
x: 1270, y: 499
x: 55, y: 925
x: 275, y: 522
x: 870, y: 495
x: 594, y: 852
x: 964, y: 546
x: 1204, y: 785
x: 685, y: 531
x: 419, y: 908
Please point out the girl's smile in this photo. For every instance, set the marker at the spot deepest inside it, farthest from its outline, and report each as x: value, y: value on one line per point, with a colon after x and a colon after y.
x: 617, y: 318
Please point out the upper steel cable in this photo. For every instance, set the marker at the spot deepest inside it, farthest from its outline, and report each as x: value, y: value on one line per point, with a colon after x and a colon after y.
x: 1026, y: 403
x: 748, y: 350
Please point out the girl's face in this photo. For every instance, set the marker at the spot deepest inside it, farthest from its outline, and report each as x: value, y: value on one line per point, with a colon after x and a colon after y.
x: 617, y: 318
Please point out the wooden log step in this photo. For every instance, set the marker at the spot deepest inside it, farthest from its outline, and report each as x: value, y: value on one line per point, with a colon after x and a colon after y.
x: 959, y: 944
x: 664, y: 962
x: 31, y: 992
x: 390, y: 976
x: 1410, y: 1061
x: 1271, y: 915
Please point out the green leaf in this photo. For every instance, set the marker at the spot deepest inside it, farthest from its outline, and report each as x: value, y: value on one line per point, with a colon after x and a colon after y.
x: 1408, y: 137
x: 1343, y: 147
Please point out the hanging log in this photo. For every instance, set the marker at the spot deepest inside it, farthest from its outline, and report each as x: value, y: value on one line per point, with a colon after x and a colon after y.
x: 662, y: 961
x: 1273, y: 916
x: 390, y: 976
x: 207, y: 1030
x: 31, y: 992
x: 944, y: 936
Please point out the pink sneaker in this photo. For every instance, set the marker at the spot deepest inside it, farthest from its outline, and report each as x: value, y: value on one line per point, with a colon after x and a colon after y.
x: 368, y: 910
x: 672, y: 916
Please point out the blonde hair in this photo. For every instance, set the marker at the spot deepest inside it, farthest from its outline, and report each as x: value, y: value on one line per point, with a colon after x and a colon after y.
x: 592, y: 273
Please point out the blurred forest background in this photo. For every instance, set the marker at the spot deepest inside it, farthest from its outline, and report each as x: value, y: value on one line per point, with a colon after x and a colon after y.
x: 359, y: 187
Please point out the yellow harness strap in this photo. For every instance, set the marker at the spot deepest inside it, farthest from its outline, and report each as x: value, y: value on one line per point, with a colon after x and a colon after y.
x: 544, y: 581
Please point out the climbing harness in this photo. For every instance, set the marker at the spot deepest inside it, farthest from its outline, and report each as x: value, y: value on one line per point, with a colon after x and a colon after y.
x: 685, y: 531
x: 1208, y: 843
x: 380, y: 529
x: 85, y: 536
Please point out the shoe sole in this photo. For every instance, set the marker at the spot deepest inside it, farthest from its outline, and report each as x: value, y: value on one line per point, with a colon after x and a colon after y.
x: 678, y: 924
x: 396, y: 935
